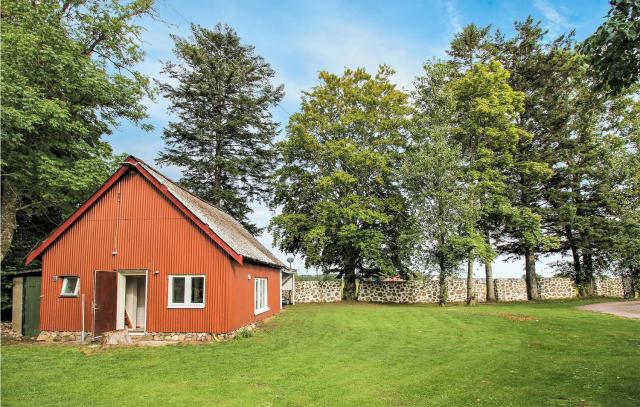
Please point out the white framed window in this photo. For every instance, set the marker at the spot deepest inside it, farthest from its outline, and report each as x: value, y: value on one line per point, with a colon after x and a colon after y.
x: 70, y: 286
x: 186, y: 291
x: 260, y: 296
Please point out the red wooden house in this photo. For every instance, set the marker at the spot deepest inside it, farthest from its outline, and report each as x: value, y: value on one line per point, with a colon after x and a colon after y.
x: 144, y: 254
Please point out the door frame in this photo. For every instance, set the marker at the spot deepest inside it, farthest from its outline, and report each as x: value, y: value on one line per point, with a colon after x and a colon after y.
x: 120, y: 300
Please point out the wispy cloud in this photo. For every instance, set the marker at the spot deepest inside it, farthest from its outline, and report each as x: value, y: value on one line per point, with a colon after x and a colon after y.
x: 554, y: 20
x: 453, y: 15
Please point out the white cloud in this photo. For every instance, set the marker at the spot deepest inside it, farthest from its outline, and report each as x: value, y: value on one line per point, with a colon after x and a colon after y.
x: 454, y: 17
x: 554, y: 21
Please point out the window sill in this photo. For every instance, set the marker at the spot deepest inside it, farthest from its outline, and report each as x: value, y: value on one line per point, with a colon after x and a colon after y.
x: 261, y: 311
x: 187, y: 306
x: 69, y: 295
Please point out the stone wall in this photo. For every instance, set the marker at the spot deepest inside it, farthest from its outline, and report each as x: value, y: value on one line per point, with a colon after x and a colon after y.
x: 610, y: 287
x: 427, y: 291
x: 416, y: 291
x: 318, y: 291
x: 506, y: 289
x: 510, y: 289
x: 556, y: 288
x: 457, y: 289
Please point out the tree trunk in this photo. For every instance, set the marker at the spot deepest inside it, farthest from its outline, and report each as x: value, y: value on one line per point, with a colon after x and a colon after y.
x: 530, y: 274
x: 349, y: 292
x: 491, y: 292
x: 587, y: 288
x: 488, y: 271
x: 443, y: 288
x: 471, y: 297
x: 575, y: 253
x: 8, y: 220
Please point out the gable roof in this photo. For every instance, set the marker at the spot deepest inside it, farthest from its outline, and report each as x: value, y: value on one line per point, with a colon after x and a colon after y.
x: 226, y: 231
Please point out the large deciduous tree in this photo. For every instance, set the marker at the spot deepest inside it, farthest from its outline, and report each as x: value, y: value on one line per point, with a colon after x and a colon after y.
x: 338, y: 188
x: 68, y: 77
x: 221, y: 92
x: 613, y: 50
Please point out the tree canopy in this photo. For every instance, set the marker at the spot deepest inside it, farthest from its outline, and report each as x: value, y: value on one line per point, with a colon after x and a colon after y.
x: 614, y: 48
x: 68, y: 77
x: 337, y: 188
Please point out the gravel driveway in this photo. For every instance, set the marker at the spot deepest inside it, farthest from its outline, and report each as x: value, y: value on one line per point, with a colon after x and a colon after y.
x: 626, y: 309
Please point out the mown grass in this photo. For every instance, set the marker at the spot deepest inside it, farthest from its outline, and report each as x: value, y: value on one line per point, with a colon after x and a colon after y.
x: 546, y: 354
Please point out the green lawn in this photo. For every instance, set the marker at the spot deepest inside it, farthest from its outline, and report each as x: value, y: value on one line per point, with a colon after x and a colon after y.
x: 546, y: 354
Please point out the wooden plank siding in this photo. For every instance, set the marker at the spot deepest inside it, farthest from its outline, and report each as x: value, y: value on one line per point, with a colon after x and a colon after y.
x: 149, y: 233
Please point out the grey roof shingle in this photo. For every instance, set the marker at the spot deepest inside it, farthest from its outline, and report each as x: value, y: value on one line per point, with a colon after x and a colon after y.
x: 221, y: 223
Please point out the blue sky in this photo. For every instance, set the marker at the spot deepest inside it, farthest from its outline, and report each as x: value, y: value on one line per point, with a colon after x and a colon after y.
x: 301, y: 38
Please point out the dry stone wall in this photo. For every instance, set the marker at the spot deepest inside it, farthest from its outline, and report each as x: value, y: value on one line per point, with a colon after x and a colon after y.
x: 457, y: 289
x: 556, y: 288
x: 318, y: 291
x: 510, y: 289
x: 408, y: 292
x: 610, y: 287
x: 427, y: 291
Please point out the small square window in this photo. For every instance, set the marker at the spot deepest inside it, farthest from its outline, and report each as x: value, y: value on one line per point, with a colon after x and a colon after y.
x: 70, y: 286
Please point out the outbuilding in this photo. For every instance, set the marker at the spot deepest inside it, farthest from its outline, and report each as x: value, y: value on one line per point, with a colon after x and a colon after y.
x: 145, y: 255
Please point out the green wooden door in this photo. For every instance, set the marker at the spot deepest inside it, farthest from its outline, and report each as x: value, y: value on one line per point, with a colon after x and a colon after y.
x: 31, y: 306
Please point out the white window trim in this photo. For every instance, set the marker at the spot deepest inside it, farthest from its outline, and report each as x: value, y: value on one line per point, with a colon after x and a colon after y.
x: 187, y: 291
x: 64, y: 284
x: 266, y: 308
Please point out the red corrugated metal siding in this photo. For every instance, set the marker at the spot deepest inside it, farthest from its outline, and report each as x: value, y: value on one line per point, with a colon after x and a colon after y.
x: 152, y: 234
x: 242, y: 288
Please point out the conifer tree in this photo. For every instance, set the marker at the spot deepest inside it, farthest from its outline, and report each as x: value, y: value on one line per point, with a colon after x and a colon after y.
x: 221, y: 93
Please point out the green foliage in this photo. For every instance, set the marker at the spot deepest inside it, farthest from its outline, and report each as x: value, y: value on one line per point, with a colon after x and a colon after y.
x: 222, y: 92
x: 67, y: 79
x: 471, y: 46
x: 613, y: 49
x: 434, y: 177
x: 243, y: 333
x: 338, y: 185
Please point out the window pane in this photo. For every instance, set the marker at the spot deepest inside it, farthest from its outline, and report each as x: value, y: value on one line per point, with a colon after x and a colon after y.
x: 69, y: 285
x: 255, y: 294
x: 178, y: 290
x: 197, y: 290
x: 260, y: 294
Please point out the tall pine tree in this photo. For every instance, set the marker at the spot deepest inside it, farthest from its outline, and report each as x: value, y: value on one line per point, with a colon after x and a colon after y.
x: 221, y: 92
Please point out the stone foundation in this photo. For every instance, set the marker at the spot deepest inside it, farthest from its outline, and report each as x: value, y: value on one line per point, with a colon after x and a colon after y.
x: 124, y: 338
x: 176, y: 337
x: 318, y: 291
x: 60, y: 336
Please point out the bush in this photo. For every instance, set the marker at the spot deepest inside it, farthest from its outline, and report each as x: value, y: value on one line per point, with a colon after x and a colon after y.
x: 243, y: 333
